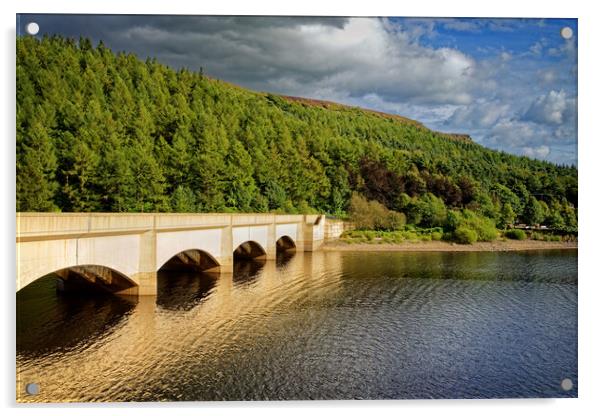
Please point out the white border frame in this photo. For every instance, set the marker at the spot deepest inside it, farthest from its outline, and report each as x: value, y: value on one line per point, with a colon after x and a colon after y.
x: 590, y: 287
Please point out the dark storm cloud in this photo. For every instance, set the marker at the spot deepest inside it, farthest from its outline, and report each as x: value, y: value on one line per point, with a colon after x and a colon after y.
x: 103, y: 26
x: 173, y: 39
x: 317, y: 56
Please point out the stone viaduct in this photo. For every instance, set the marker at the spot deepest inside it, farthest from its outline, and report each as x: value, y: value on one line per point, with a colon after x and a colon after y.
x: 122, y: 253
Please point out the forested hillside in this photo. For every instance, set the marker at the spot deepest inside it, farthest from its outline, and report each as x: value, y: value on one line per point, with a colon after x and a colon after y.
x: 98, y: 131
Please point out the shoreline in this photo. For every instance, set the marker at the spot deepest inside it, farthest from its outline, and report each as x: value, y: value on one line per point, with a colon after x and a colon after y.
x: 508, y: 245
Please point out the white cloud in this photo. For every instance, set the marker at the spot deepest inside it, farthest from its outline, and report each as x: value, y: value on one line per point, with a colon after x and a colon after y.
x: 547, y: 76
x: 541, y: 141
x: 481, y: 114
x: 511, y: 133
x: 363, y: 56
x: 461, y: 25
x: 554, y: 108
x: 568, y: 48
x: 539, y: 152
x: 537, y: 47
x: 505, y: 56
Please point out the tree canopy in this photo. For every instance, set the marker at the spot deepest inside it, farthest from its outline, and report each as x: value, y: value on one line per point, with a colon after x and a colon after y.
x: 99, y: 131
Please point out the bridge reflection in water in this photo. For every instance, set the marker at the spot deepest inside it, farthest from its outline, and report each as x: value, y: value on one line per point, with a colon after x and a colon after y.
x: 122, y: 332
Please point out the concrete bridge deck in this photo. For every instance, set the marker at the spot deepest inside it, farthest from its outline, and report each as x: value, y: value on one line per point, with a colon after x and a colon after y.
x: 123, y: 252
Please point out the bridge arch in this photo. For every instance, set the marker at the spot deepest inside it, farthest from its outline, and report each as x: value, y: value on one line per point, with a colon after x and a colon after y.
x: 249, y: 250
x: 285, y: 243
x: 191, y: 259
x: 90, y: 277
x: 206, y: 241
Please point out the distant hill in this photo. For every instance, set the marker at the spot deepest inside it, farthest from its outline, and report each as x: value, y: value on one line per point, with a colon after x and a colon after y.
x: 98, y: 131
x: 330, y: 105
x: 337, y: 106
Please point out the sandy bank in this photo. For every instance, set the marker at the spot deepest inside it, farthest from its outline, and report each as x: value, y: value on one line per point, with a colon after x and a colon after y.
x: 508, y: 245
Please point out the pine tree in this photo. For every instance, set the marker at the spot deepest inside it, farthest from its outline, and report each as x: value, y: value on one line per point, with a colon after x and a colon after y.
x: 507, y: 215
x: 36, y: 167
x: 79, y: 187
x: 240, y: 186
x: 183, y: 200
x: 533, y: 213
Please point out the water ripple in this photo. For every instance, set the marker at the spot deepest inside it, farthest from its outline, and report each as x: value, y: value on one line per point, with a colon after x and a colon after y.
x: 322, y: 326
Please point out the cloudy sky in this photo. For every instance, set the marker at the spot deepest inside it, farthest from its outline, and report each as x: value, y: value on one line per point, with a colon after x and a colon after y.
x: 509, y: 83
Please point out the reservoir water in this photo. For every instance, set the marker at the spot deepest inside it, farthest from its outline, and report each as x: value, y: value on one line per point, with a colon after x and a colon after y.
x: 322, y: 325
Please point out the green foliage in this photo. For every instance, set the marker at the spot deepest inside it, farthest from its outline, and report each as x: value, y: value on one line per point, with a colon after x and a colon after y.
x: 371, y: 215
x: 483, y: 227
x: 426, y: 210
x: 103, y: 132
x: 505, y: 196
x: 36, y: 169
x: 361, y: 213
x: 183, y: 200
x: 515, y: 234
x: 390, y: 237
x: 546, y: 236
x: 507, y: 215
x: 396, y: 220
x: 465, y: 235
x: 534, y: 212
x: 436, y: 235
x: 569, y: 214
x: 485, y: 206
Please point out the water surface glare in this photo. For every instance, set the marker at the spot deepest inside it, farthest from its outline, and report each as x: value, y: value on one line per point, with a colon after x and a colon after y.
x: 324, y: 325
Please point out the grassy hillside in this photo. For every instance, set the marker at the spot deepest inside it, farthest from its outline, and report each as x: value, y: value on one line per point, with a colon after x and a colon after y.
x: 98, y: 131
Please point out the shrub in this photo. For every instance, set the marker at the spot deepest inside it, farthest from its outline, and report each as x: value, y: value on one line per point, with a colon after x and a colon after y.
x: 454, y: 220
x: 427, y: 211
x: 487, y: 232
x: 372, y: 215
x: 398, y: 237
x: 396, y: 220
x: 436, y: 235
x: 370, y: 235
x: 379, y: 215
x: 515, y: 234
x: 360, y: 213
x: 465, y: 235
x: 482, y: 226
x: 410, y: 235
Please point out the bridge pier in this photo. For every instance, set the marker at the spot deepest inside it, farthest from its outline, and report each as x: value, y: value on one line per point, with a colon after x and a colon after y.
x: 270, y: 250
x: 147, y: 268
x: 226, y: 260
x: 147, y: 284
x: 227, y: 265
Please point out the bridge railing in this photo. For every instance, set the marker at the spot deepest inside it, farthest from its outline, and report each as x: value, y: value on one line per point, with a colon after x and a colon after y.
x: 49, y: 224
